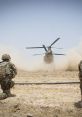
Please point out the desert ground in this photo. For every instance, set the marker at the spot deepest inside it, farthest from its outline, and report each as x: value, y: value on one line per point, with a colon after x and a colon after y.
x: 43, y: 100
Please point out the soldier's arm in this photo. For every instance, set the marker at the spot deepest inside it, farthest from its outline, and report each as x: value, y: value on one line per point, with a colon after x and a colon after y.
x: 14, y: 68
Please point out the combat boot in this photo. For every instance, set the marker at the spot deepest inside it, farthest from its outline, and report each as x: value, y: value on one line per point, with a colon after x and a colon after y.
x: 3, y: 96
x: 8, y: 93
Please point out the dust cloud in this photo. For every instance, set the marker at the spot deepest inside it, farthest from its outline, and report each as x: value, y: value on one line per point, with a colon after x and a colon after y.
x: 68, y: 62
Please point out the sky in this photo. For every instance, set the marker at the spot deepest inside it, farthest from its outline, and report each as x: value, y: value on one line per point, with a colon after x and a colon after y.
x: 26, y: 23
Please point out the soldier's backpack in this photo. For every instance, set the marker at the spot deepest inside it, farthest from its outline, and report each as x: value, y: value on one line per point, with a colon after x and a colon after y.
x: 4, y: 69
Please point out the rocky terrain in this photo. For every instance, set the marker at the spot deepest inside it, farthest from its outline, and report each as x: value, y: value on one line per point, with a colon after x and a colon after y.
x: 43, y: 100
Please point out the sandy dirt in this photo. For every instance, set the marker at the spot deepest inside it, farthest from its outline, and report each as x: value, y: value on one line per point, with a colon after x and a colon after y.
x: 43, y: 100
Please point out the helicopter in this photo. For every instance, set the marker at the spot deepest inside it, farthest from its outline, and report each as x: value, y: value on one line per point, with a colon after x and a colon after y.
x: 48, y: 55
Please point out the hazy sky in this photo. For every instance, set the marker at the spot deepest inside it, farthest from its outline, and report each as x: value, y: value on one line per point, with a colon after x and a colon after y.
x: 36, y: 22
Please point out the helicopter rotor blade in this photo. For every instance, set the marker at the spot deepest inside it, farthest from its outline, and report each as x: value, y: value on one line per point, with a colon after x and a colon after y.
x: 58, y: 54
x: 33, y: 47
x: 36, y: 54
x: 45, y: 48
x: 56, y: 48
x: 54, y: 41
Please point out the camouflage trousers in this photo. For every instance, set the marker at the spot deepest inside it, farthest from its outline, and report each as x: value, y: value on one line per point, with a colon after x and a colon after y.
x: 7, y: 83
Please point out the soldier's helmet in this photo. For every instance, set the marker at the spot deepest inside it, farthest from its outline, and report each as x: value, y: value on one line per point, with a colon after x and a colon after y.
x: 6, y: 57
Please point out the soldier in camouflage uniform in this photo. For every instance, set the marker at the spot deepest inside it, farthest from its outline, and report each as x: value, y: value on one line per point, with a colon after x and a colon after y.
x: 6, y: 82
x: 80, y: 76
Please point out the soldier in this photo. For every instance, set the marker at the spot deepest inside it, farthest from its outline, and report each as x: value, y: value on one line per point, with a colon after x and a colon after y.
x: 80, y: 77
x: 6, y: 80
